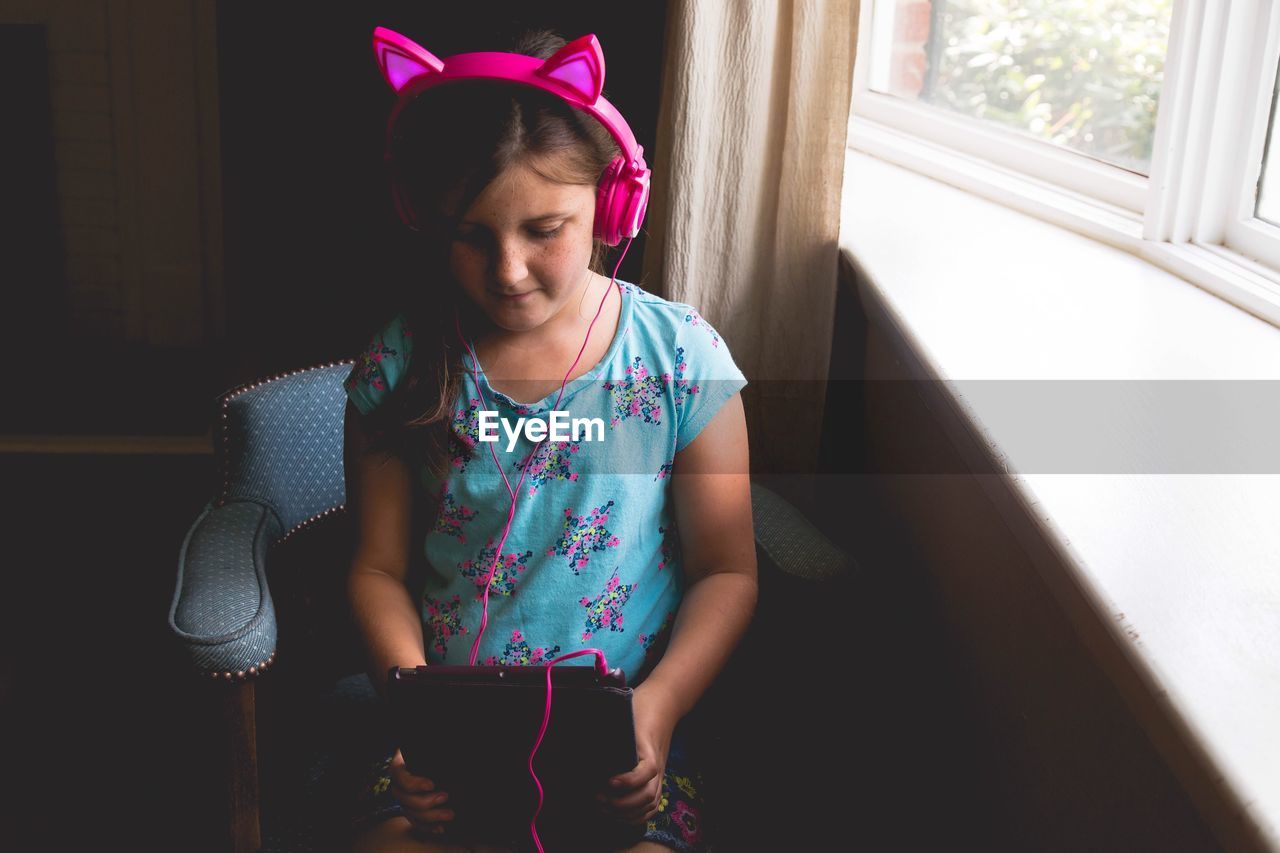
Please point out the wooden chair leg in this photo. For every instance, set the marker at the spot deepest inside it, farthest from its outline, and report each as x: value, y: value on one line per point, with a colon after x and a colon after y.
x: 240, y: 730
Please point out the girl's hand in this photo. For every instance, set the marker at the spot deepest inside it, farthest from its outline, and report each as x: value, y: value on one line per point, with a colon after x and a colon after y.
x: 418, y: 795
x: 634, y: 796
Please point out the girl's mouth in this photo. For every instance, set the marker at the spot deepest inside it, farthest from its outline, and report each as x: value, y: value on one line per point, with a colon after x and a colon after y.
x: 513, y: 297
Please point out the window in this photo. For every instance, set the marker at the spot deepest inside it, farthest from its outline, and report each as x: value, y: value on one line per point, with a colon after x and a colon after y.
x: 1268, y: 206
x: 1145, y: 123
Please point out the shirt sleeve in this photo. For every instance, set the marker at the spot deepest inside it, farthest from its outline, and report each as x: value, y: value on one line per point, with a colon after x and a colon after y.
x: 705, y: 375
x: 380, y: 365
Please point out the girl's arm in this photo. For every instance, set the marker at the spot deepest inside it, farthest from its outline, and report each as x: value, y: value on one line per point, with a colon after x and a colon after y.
x: 379, y: 497
x: 711, y: 486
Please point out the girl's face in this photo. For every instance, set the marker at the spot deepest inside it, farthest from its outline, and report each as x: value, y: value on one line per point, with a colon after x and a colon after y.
x: 522, y: 251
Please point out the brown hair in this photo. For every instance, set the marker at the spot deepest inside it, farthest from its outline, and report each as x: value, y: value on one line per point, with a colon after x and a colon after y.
x: 448, y: 144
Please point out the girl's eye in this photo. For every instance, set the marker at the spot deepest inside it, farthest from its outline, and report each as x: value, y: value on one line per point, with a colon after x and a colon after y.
x: 479, y: 237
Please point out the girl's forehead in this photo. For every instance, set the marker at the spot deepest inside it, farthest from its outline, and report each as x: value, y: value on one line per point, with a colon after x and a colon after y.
x: 521, y: 191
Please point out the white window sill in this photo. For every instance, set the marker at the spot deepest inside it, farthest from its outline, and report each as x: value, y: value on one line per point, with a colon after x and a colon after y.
x: 1178, y: 566
x: 1239, y: 279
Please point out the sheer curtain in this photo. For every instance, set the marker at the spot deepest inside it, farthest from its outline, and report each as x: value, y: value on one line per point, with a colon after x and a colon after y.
x: 745, y: 197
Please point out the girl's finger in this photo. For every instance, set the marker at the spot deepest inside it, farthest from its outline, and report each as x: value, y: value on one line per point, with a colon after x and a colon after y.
x: 420, y: 802
x: 634, y: 800
x: 643, y: 773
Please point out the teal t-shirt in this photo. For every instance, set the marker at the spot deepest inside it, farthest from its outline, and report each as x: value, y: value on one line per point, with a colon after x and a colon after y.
x: 593, y: 556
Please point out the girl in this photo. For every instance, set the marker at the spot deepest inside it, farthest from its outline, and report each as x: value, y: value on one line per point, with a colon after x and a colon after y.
x: 636, y: 540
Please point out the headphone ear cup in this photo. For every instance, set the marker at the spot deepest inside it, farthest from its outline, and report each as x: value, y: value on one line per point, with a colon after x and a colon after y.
x: 605, y: 227
x: 621, y: 201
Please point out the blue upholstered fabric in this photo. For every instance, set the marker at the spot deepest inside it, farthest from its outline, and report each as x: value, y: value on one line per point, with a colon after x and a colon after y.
x: 282, y: 453
x: 793, y: 544
x: 284, y: 443
x: 222, y: 609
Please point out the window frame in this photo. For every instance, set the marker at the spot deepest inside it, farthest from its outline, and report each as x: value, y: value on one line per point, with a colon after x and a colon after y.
x: 1193, y: 215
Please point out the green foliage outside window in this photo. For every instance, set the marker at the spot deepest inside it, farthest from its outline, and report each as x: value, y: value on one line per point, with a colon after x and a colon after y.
x: 1083, y: 74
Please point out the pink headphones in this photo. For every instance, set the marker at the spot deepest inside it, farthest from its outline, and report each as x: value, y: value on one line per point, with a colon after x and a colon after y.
x: 575, y: 73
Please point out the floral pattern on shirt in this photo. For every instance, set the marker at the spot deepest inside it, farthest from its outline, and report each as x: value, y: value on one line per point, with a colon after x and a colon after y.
x: 693, y: 318
x: 647, y: 640
x: 504, y: 576
x: 582, y: 535
x: 605, y: 610
x: 655, y: 643
x: 443, y: 620
x: 518, y: 652
x: 639, y: 395
x: 368, y: 368
x: 670, y: 544
x: 466, y: 434
x: 681, y: 388
x: 653, y: 407
x: 551, y: 462
x: 452, y: 516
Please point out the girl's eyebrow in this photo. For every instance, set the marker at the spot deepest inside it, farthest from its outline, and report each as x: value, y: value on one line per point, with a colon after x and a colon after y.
x: 544, y: 217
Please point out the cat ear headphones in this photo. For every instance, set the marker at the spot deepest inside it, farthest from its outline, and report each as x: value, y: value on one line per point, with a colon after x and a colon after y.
x: 575, y: 73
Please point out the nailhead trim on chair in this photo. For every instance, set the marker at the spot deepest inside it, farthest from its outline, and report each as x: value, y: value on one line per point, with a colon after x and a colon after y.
x: 298, y: 528
x: 243, y: 675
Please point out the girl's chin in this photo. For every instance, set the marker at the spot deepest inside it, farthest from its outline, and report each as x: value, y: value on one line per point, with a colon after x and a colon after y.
x: 507, y: 303
x: 515, y: 318
x: 522, y: 304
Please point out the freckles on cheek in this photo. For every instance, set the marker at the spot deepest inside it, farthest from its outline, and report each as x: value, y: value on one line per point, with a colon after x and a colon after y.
x: 551, y: 256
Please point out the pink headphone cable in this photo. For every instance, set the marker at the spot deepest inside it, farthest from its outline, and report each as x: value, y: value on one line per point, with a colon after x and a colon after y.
x: 601, y: 665
x: 602, y: 668
x: 514, y: 493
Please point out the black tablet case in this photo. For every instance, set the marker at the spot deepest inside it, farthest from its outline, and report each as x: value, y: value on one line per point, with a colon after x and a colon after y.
x: 471, y: 729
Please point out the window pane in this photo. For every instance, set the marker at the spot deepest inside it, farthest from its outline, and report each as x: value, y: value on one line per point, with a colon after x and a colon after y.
x: 1084, y: 75
x: 1268, y: 207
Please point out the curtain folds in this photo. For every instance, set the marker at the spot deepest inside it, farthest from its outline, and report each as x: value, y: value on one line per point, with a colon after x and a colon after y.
x: 745, y: 197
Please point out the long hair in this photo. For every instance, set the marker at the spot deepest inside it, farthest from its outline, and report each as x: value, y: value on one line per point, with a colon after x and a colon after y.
x: 447, y: 145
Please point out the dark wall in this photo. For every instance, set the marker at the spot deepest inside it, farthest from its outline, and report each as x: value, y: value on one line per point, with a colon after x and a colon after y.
x: 30, y: 269
x: 312, y: 241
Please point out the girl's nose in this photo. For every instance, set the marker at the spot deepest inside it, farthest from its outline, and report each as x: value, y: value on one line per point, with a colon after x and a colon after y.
x: 509, y: 267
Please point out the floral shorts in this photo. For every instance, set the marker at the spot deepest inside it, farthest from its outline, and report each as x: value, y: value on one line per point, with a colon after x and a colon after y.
x: 678, y: 823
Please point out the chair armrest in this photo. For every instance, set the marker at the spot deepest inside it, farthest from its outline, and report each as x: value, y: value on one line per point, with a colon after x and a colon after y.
x: 792, y: 543
x: 222, y: 610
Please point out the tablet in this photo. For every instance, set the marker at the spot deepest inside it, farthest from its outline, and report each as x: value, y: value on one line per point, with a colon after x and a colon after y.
x: 470, y: 729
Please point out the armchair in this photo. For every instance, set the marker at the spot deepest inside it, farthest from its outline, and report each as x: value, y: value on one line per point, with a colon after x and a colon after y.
x: 259, y: 602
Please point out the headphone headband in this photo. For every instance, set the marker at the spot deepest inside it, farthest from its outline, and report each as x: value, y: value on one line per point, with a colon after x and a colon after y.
x: 575, y: 73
